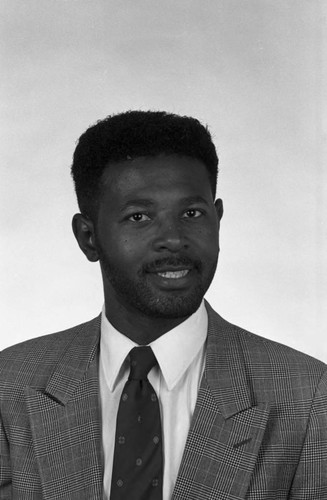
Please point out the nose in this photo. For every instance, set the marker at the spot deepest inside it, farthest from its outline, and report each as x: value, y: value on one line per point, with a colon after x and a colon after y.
x: 169, y: 237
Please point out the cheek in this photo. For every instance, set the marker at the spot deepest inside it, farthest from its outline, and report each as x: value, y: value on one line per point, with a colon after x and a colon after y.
x: 208, y: 246
x: 128, y: 249
x: 207, y: 238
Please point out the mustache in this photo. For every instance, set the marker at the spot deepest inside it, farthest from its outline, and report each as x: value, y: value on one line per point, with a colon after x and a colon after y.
x: 176, y: 261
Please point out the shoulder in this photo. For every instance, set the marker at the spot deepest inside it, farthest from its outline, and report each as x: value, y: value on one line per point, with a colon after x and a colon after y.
x: 263, y: 359
x: 36, y: 358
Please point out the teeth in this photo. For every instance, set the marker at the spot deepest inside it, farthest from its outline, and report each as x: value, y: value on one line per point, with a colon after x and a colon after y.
x: 174, y: 274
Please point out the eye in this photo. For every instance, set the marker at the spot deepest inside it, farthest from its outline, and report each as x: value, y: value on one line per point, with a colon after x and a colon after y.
x: 138, y: 217
x: 192, y: 213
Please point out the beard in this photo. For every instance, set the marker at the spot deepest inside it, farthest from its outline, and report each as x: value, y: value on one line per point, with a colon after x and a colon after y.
x: 141, y: 295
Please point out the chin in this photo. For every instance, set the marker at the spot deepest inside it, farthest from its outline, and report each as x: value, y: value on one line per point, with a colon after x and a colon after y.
x: 171, y: 307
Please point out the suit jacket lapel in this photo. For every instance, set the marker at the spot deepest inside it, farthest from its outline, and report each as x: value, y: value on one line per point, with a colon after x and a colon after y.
x: 227, y: 426
x: 65, y: 422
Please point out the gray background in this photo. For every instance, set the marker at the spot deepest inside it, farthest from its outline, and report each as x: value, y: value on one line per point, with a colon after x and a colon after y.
x: 253, y: 70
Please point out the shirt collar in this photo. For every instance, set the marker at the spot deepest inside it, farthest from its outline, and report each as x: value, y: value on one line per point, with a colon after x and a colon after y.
x: 175, y: 350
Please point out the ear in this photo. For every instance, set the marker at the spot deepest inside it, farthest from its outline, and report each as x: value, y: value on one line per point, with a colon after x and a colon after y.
x: 219, y: 208
x: 83, y: 229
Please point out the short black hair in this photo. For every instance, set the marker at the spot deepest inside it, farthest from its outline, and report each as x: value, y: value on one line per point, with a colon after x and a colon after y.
x: 133, y: 134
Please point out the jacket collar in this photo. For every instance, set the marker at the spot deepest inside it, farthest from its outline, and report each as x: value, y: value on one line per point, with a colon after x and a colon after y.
x: 227, y: 426
x: 224, y: 370
x: 75, y: 362
x: 225, y: 367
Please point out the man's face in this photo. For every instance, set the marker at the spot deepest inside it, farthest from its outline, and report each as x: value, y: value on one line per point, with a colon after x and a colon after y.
x: 157, y: 235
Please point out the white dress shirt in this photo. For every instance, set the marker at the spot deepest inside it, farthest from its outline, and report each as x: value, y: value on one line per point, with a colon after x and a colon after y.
x: 181, y: 357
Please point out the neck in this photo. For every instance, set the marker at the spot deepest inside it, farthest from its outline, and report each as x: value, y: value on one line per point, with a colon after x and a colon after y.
x: 141, y: 329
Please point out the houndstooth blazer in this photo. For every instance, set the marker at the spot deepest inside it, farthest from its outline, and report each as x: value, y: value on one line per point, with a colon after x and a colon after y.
x: 259, y: 430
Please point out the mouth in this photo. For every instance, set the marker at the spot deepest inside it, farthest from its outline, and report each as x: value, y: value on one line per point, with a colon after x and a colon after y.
x: 174, y: 274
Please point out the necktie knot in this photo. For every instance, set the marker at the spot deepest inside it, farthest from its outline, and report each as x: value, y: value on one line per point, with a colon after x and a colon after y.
x: 142, y: 360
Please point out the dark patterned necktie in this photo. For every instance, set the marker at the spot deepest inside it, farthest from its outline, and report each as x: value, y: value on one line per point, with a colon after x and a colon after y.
x: 138, y: 466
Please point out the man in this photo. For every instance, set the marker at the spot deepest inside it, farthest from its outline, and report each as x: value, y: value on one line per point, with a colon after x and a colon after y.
x: 240, y: 417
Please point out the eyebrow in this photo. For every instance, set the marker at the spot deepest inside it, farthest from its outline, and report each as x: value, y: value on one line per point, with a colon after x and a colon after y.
x: 194, y: 199
x: 137, y: 202
x: 145, y: 202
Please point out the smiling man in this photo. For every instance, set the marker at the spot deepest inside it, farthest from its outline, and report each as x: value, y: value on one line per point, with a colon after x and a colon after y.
x: 156, y: 236
x: 159, y: 397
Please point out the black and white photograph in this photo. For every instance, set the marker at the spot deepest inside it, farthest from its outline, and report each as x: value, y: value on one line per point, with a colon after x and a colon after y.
x: 164, y: 250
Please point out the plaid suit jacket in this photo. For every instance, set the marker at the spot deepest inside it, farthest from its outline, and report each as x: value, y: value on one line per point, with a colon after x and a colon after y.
x: 259, y: 430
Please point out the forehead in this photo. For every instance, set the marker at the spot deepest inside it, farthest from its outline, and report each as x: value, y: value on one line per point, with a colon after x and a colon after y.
x: 155, y: 175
